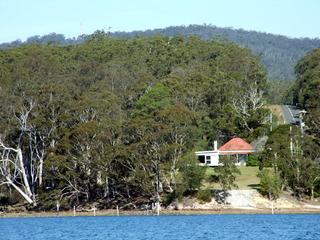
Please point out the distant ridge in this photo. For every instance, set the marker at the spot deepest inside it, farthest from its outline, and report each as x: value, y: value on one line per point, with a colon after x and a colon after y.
x: 279, y: 53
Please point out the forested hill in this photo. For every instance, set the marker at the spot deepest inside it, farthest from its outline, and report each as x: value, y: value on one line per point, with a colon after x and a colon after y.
x: 279, y: 53
x: 112, y: 120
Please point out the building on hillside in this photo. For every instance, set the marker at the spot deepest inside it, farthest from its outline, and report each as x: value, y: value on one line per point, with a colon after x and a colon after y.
x: 237, y: 149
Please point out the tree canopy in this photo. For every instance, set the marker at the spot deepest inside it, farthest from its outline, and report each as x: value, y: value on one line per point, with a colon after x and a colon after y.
x: 116, y: 120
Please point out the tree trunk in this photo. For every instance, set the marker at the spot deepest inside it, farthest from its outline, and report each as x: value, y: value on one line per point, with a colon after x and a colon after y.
x: 23, y: 194
x: 158, y: 189
x: 23, y: 172
x: 40, y: 171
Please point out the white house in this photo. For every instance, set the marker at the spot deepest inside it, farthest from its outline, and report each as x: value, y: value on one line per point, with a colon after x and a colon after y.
x: 209, y: 158
x: 237, y: 148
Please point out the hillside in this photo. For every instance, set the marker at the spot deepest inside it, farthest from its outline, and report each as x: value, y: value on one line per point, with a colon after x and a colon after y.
x: 279, y: 54
x: 101, y: 121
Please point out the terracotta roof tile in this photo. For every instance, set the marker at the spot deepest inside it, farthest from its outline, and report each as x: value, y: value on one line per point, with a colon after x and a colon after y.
x: 236, y: 144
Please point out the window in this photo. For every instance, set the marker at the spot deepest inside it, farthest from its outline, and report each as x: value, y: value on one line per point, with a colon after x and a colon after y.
x: 208, y: 159
x: 201, y: 159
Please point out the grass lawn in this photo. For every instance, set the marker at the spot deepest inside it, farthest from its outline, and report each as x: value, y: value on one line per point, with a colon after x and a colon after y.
x: 247, y: 180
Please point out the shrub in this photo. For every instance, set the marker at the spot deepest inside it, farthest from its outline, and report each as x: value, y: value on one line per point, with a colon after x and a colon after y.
x: 191, y: 173
x: 270, y: 184
x: 204, y: 195
x: 4, y: 200
x: 171, y: 197
x: 253, y: 161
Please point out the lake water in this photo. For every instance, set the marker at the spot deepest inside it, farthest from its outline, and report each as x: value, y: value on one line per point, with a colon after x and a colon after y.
x: 202, y: 227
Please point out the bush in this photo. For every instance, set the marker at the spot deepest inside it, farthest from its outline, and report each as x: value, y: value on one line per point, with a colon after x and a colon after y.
x: 4, y: 200
x: 171, y: 197
x: 191, y: 173
x: 253, y: 161
x: 204, y: 195
x: 270, y: 184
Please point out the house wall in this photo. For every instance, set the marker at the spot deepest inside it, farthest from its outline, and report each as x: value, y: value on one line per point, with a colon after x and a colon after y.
x: 209, y: 159
x: 239, y: 159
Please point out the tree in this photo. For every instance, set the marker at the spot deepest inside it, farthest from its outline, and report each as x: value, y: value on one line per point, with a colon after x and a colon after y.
x: 84, y: 146
x: 180, y: 134
x: 306, y: 90
x: 191, y: 174
x: 292, y: 158
x: 270, y: 183
x: 22, y: 164
x: 249, y: 108
x: 227, y: 173
x: 155, y: 99
x: 114, y: 120
x: 310, y: 175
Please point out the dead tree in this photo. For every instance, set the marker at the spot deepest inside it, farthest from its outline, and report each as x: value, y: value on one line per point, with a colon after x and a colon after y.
x: 22, y: 164
x: 247, y: 104
x: 13, y: 171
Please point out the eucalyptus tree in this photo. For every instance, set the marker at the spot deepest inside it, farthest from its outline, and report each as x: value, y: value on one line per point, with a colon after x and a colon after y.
x: 94, y: 121
x: 306, y: 92
x: 115, y: 119
x: 22, y: 152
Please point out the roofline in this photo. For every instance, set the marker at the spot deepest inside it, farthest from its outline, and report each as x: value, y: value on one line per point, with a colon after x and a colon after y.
x: 225, y: 145
x: 236, y: 151
x: 226, y: 151
x: 204, y: 152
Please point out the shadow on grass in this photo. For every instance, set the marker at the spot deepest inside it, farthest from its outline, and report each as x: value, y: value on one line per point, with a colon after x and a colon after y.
x: 254, y: 186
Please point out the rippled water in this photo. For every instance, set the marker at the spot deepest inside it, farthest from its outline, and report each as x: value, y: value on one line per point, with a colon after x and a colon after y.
x: 164, y: 227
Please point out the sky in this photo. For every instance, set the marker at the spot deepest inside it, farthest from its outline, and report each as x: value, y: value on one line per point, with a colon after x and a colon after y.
x: 20, y: 19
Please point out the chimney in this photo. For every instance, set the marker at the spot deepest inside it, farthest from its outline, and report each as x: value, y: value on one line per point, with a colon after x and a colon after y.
x: 215, y: 145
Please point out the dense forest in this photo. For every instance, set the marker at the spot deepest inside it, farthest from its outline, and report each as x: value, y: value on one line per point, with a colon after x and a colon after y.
x: 296, y: 168
x: 279, y: 54
x: 117, y: 120
x: 306, y: 91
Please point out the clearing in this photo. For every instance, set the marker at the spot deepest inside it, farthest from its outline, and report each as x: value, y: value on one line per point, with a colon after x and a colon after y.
x: 247, y: 180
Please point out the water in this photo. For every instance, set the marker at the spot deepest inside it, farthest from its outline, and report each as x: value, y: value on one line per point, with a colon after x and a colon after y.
x: 202, y: 227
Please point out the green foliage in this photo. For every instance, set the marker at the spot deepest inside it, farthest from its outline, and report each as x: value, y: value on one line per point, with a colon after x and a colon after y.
x: 293, y: 162
x: 191, y: 173
x: 278, y: 91
x: 279, y: 54
x: 171, y: 197
x: 305, y: 93
x: 204, y: 195
x: 4, y: 200
x: 227, y: 173
x: 117, y: 119
x: 8, y: 197
x: 309, y: 177
x: 155, y: 99
x: 253, y: 161
x: 306, y: 90
x: 270, y: 183
x: 278, y: 145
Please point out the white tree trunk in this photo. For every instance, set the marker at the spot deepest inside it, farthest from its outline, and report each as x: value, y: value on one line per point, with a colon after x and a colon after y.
x: 23, y: 172
x: 40, y: 171
x: 23, y: 194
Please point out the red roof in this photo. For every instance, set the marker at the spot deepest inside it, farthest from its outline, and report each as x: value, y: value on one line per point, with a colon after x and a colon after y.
x: 236, y: 146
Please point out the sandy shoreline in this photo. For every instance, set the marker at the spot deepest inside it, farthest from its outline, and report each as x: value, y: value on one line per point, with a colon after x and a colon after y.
x: 113, y: 212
